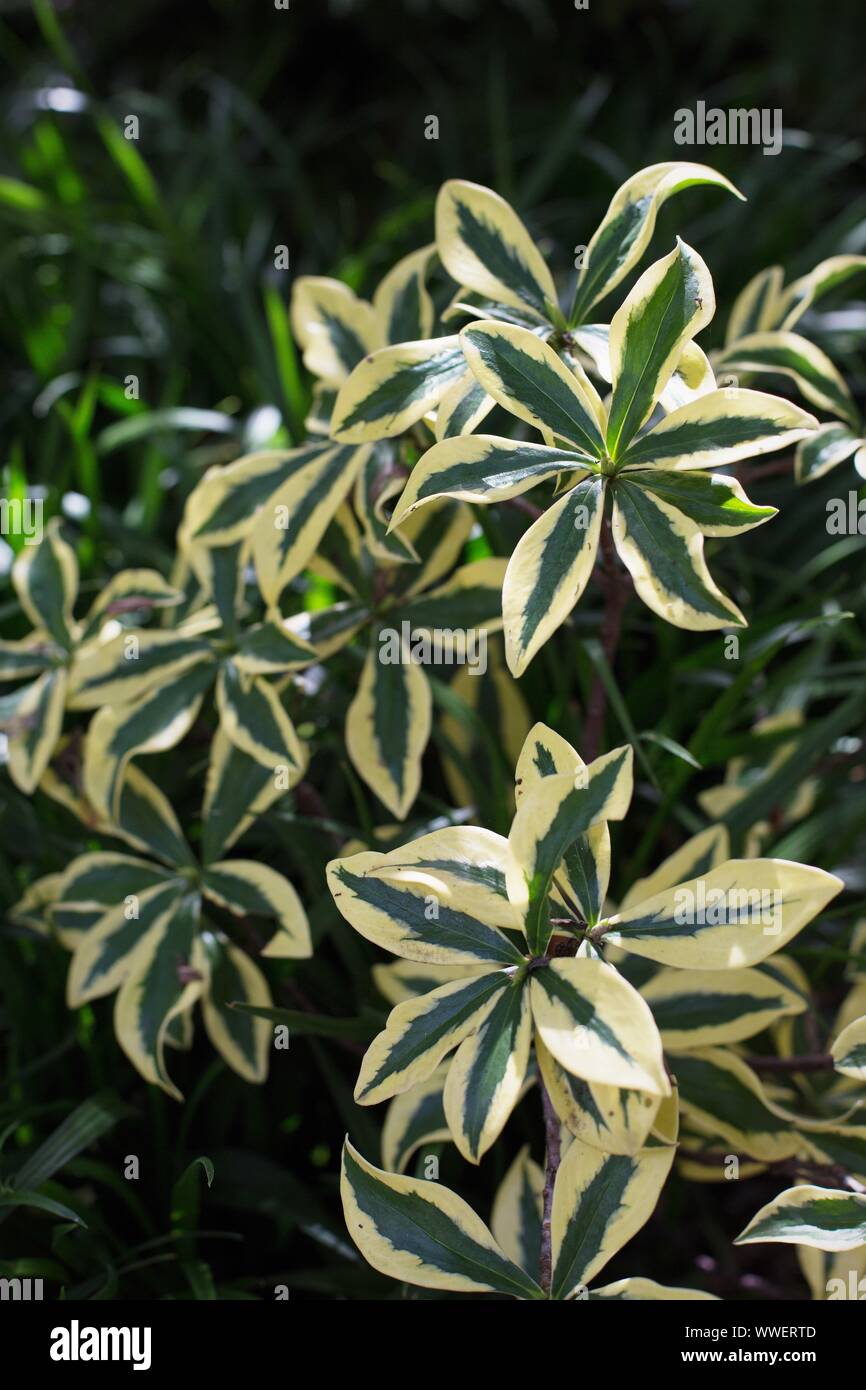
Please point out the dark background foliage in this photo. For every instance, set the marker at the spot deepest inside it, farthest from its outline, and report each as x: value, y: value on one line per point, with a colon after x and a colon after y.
x: 305, y: 127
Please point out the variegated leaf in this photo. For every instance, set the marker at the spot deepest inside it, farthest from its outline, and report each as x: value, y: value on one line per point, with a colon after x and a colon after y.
x: 388, y: 725
x: 671, y: 302
x: 45, y: 577
x: 146, y: 819
x: 157, y: 988
x: 663, y: 550
x: 421, y: 1032
x: 549, y: 570
x: 825, y: 448
x: 720, y: 428
x: 831, y: 1274
x: 525, y: 376
x: 825, y: 1218
x: 648, y: 1291
x: 272, y: 648
x: 33, y: 908
x: 583, y: 877
x: 463, y: 868
x: 702, y: 1008
x: 736, y: 915
x: 487, y: 1073
x: 222, y: 508
x: 615, y: 1119
x: 790, y: 355
x: 244, y: 886
x: 581, y: 881
x: 391, y: 389
x: 290, y: 526
x: 756, y: 307
x: 693, y: 377
x: 599, y: 1202
x: 101, y: 959
x: 342, y: 557
x: 627, y: 227
x: 406, y: 979
x: 402, y: 303
x: 334, y: 328
x: 597, y: 1026
x: 405, y: 908
x: 833, y: 1142
x: 379, y: 482
x: 715, y: 502
x: 32, y: 727
x: 241, y: 1039
x: 723, y: 1098
x: 483, y: 244
x: 157, y: 722
x: 238, y: 789
x: 128, y: 592
x: 132, y: 665
x: 422, y: 1233
x: 318, y: 418
x: 415, y: 1117
x: 462, y: 408
x: 20, y: 660
x: 549, y: 818
x: 517, y: 1207
x: 482, y: 469
x: 849, y: 1050
x: 802, y: 294
x: 94, y: 884
x: 545, y: 753
x: 253, y: 717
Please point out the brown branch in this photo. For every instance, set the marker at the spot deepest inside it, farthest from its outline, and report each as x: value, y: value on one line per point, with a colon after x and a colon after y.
x: 524, y: 505
x: 559, y: 946
x: 133, y: 603
x: 831, y: 1173
x: 552, y: 1159
x: 756, y: 472
x: 816, y: 1061
x: 309, y: 802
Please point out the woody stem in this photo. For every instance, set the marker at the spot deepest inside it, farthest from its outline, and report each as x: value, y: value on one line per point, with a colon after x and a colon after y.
x: 552, y: 1159
x: 552, y: 1150
x: 616, y: 592
x: 816, y: 1061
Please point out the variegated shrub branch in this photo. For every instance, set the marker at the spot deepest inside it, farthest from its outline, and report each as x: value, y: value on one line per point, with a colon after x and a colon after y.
x: 515, y: 970
x: 489, y: 910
